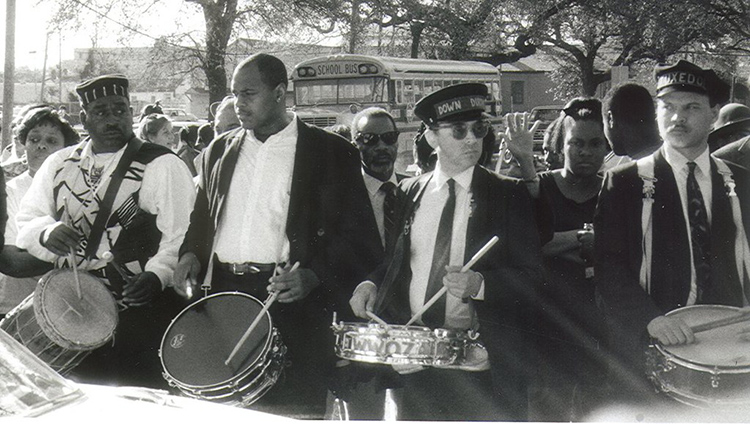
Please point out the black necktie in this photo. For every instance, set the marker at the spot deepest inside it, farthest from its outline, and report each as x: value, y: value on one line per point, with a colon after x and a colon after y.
x: 389, y: 213
x: 435, y: 316
x: 700, y: 235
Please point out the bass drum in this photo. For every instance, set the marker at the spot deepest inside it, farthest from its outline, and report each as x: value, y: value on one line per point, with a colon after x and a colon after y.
x: 58, y: 326
x: 200, y: 339
x: 713, y: 371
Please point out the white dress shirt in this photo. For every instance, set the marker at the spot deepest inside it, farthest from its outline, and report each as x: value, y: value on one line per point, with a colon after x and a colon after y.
x: 377, y: 199
x: 678, y: 163
x: 253, y: 224
x: 459, y: 315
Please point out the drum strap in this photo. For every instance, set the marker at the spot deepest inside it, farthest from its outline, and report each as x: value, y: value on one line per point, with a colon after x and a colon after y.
x: 742, y: 251
x: 646, y: 173
x: 105, y: 207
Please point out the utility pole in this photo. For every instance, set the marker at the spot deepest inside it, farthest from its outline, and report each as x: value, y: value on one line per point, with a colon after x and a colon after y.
x: 44, y: 69
x: 10, y: 65
x: 59, y: 68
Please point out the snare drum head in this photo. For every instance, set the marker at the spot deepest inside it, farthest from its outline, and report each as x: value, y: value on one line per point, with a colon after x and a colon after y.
x: 75, y: 323
x: 722, y: 347
x: 202, y: 336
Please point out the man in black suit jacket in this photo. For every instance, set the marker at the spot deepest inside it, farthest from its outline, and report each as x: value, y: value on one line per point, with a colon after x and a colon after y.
x: 273, y: 192
x: 689, y: 265
x: 494, y: 297
x: 736, y: 152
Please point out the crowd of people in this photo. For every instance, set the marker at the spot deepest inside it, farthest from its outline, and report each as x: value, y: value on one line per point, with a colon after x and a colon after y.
x: 632, y: 217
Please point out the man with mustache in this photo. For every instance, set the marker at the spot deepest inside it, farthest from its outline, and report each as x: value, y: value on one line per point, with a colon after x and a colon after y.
x: 678, y: 202
x: 114, y: 193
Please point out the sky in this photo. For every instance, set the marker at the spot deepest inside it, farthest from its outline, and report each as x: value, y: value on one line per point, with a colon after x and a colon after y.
x: 31, y: 24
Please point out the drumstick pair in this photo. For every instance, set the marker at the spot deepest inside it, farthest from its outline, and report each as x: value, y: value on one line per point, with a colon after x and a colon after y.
x: 465, y: 268
x: 266, y: 305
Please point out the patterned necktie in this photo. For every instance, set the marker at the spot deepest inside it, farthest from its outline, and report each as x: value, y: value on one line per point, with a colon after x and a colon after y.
x: 389, y: 213
x: 435, y: 316
x: 700, y: 235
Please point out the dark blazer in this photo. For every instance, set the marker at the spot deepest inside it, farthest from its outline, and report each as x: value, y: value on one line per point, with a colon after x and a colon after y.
x: 374, y: 252
x: 326, y: 210
x: 618, y: 248
x: 737, y: 152
x: 512, y: 270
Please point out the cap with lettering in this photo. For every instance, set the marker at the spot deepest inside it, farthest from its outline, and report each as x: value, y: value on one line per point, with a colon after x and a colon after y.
x: 686, y: 76
x: 460, y: 102
x: 102, y: 86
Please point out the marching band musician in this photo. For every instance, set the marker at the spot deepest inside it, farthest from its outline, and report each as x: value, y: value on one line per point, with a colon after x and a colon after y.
x: 680, y: 204
x: 115, y: 194
x: 277, y: 191
x: 471, y: 205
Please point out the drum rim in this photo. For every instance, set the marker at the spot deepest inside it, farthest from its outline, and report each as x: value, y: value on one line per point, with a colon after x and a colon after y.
x: 272, y: 334
x: 699, y: 366
x: 51, y: 330
x: 348, y: 330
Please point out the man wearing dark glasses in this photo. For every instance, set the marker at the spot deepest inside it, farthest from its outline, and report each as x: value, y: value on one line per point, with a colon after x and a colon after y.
x: 444, y: 217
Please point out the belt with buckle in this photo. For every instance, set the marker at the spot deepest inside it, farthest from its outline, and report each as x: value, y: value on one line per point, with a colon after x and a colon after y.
x: 243, y: 268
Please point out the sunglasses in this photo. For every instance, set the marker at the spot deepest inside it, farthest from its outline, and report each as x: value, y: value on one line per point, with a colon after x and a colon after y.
x: 461, y: 129
x: 368, y: 139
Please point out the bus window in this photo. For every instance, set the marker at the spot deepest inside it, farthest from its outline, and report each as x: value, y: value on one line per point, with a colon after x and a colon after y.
x: 495, y: 90
x: 438, y: 85
x: 409, y: 92
x: 399, y: 91
x: 315, y: 92
x: 418, y: 90
x: 380, y: 90
x: 428, y: 87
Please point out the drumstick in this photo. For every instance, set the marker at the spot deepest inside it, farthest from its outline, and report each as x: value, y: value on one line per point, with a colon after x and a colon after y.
x: 721, y: 322
x: 109, y: 257
x: 376, y: 318
x: 266, y: 305
x: 72, y: 254
x: 477, y: 256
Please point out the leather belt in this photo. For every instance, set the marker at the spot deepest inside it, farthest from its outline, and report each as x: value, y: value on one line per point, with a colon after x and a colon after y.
x: 243, y: 268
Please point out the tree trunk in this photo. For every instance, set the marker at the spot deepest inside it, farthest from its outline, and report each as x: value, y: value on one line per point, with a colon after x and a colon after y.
x: 416, y: 37
x: 219, y: 17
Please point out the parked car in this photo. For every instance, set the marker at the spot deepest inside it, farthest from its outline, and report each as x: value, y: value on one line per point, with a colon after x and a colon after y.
x: 544, y: 114
x: 179, y: 115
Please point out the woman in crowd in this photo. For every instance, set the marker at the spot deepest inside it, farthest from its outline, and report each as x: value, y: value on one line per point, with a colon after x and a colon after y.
x: 41, y: 131
x: 186, y: 149
x: 157, y: 128
x: 571, y: 329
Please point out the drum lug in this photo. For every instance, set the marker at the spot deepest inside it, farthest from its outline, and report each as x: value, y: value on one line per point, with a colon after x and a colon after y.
x: 715, y: 378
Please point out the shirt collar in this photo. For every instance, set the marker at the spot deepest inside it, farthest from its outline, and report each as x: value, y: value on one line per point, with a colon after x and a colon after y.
x: 678, y: 162
x: 463, y: 179
x: 87, y: 154
x: 287, y: 133
x: 373, y: 184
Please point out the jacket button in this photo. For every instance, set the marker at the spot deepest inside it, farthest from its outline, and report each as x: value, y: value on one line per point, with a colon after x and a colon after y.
x: 321, y: 232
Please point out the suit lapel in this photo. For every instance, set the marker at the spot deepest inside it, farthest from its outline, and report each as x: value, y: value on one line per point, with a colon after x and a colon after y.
x: 478, y: 213
x: 223, y: 175
x: 393, y: 295
x: 306, y: 157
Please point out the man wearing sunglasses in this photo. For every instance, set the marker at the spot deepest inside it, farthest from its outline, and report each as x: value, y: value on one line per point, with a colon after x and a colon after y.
x: 444, y: 217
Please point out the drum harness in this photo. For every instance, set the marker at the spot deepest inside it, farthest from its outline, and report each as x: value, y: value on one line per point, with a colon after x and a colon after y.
x: 645, y: 168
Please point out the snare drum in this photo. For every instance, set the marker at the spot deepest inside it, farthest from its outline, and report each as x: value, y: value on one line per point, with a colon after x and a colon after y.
x: 202, y: 336
x: 399, y: 344
x: 57, y: 326
x: 713, y: 371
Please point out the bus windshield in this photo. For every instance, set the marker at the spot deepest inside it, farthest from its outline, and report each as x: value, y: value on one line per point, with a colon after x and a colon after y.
x: 342, y: 91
